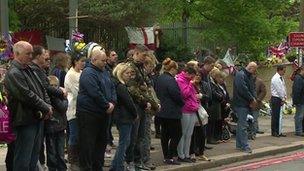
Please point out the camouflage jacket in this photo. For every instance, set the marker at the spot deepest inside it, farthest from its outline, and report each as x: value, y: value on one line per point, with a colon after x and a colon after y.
x: 140, y: 87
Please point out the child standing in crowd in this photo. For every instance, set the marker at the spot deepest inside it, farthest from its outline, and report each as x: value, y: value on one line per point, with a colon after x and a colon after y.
x: 125, y: 113
x: 55, y: 136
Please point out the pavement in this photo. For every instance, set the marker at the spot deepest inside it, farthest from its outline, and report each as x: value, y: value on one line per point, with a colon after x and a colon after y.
x: 224, y: 153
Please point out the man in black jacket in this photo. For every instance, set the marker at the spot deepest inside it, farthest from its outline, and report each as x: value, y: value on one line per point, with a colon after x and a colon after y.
x: 298, y: 101
x: 244, y: 101
x: 112, y: 58
x: 26, y: 100
x: 39, y: 65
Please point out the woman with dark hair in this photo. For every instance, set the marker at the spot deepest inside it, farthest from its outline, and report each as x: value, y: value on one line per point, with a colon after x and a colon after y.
x: 191, y: 98
x: 60, y: 64
x: 71, y: 84
x: 170, y: 113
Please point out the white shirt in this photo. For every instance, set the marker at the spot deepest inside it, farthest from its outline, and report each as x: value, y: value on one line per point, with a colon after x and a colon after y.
x: 278, y: 88
x: 71, y: 84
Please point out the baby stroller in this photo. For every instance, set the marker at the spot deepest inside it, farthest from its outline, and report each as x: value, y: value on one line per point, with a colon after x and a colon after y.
x: 230, y: 124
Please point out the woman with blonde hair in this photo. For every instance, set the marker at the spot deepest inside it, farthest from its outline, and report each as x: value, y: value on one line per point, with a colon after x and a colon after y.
x: 170, y: 113
x: 125, y: 113
x: 214, y: 129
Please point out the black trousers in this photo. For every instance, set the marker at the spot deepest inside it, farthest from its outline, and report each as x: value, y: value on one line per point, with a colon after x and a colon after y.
x: 171, y: 133
x: 198, y: 141
x: 9, y: 159
x: 92, y: 140
x: 214, y: 130
x: 157, y: 123
x: 275, y: 104
x: 109, y: 131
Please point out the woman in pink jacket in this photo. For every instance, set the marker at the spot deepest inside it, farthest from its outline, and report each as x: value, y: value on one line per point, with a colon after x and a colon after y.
x: 189, y: 118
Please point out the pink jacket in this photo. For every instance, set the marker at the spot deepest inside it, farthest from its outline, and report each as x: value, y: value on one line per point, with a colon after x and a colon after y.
x: 188, y: 92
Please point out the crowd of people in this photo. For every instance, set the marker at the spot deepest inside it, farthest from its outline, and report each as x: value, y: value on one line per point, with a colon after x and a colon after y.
x: 75, y: 106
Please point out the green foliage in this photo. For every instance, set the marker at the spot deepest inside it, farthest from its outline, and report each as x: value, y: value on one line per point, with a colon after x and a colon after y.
x: 250, y: 25
x: 118, y: 12
x: 14, y: 22
x: 292, y: 56
x: 178, y: 52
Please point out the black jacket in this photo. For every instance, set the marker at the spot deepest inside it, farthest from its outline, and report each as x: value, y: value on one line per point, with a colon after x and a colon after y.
x: 51, y: 91
x: 58, y: 121
x: 125, y: 109
x: 215, y: 110
x: 26, y: 95
x: 298, y: 90
x: 170, y: 97
x: 243, y: 89
x: 92, y: 97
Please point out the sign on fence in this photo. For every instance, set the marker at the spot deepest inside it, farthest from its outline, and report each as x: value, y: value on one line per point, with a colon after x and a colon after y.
x: 296, y: 39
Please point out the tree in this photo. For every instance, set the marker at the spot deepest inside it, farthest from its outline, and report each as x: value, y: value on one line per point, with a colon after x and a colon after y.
x: 250, y: 25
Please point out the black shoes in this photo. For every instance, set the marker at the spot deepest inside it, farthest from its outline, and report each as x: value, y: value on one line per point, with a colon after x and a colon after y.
x: 208, y: 147
x: 212, y: 142
x: 260, y: 132
x: 299, y: 134
x: 185, y: 160
x: 278, y: 135
x: 172, y: 162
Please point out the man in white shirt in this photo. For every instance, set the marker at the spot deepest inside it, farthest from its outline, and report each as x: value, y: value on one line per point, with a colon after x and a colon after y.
x: 278, y: 98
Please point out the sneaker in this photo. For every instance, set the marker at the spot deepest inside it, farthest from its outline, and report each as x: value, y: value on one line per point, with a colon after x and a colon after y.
x: 203, y: 158
x: 151, y: 166
x: 44, y: 167
x: 247, y: 150
x: 130, y: 167
x: 141, y: 166
x: 171, y: 162
x: 185, y: 160
x: 108, y: 154
x: 208, y: 147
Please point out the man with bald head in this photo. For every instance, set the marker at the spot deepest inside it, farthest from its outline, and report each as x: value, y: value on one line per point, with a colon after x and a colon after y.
x: 93, y: 107
x: 244, y: 102
x: 26, y: 100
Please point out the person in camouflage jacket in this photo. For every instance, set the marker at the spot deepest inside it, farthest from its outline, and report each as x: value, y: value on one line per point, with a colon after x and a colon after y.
x: 138, y: 86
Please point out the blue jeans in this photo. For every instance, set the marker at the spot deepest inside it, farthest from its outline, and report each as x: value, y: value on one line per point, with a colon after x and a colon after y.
x: 124, y: 141
x: 242, y: 126
x: 255, y: 115
x: 55, y: 151
x: 73, y: 137
x: 298, y: 118
x: 27, y: 146
x: 130, y: 157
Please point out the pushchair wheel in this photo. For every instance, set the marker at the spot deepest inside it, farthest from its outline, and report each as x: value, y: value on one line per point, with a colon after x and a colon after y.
x: 225, y: 133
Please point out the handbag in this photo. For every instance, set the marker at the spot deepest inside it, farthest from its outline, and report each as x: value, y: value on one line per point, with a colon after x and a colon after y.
x: 6, y: 132
x: 202, y: 115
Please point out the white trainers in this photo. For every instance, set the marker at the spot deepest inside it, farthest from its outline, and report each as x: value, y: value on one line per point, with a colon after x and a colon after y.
x: 108, y: 154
